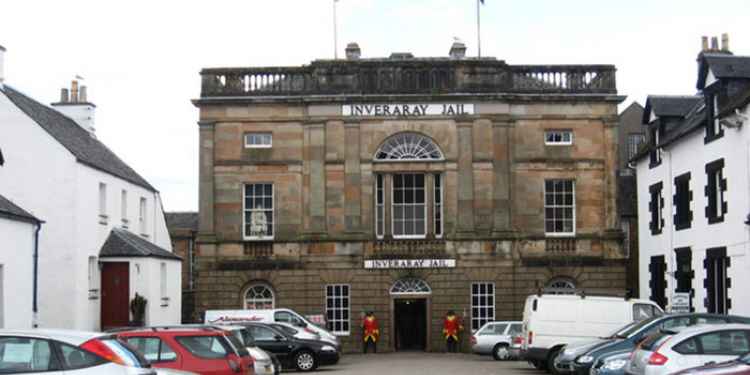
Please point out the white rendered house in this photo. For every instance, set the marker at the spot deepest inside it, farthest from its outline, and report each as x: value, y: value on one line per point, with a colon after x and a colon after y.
x: 694, y: 190
x: 98, y: 213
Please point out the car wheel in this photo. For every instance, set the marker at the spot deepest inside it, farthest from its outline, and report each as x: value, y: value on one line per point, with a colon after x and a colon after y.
x: 551, y: 361
x: 539, y: 365
x: 305, y: 361
x: 500, y: 352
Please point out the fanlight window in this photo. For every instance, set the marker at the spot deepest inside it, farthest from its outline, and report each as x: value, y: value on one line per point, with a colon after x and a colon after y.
x: 410, y: 286
x: 408, y: 147
x: 560, y: 286
x: 259, y: 297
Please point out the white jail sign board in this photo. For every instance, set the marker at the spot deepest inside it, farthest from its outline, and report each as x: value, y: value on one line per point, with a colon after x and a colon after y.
x: 407, y: 109
x: 409, y: 263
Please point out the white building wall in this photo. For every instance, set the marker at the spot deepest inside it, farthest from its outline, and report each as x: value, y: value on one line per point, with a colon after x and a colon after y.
x: 690, y: 154
x: 16, y: 273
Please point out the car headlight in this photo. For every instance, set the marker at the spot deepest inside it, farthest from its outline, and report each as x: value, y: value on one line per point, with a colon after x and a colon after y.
x: 328, y: 348
x: 615, y: 365
x: 585, y: 359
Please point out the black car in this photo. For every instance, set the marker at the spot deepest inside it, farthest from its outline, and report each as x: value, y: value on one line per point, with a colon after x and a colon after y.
x: 304, y: 355
x: 628, y: 339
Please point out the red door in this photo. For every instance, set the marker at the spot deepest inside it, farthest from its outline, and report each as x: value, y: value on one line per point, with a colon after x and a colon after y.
x: 115, y: 294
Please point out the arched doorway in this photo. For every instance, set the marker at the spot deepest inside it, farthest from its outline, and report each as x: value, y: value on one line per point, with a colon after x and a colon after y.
x: 411, y: 311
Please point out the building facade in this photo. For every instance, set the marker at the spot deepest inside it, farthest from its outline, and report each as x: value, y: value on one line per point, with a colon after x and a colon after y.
x: 407, y: 187
x: 98, y: 212
x: 183, y: 229
x: 692, y: 189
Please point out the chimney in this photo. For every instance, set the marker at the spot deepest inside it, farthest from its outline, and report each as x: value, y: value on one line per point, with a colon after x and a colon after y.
x: 77, y: 107
x: 725, y: 42
x: 353, y: 52
x: 458, y: 50
x: 714, y: 44
x: 2, y: 66
x: 704, y: 44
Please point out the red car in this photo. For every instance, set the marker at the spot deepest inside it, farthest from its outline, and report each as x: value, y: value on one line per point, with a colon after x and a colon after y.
x: 739, y: 366
x: 206, y: 351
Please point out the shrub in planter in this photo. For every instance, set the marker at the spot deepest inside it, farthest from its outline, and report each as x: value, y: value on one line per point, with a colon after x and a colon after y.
x: 138, y: 309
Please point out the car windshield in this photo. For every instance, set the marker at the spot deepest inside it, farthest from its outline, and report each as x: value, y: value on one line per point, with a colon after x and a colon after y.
x: 238, y: 345
x: 634, y: 328
x: 745, y: 359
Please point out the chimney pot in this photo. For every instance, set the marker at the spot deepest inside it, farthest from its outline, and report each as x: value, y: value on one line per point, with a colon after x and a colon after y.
x: 82, y: 94
x: 64, y: 95
x: 725, y: 42
x: 714, y: 43
x: 353, y: 52
x: 458, y: 50
x: 704, y: 43
x: 74, y: 91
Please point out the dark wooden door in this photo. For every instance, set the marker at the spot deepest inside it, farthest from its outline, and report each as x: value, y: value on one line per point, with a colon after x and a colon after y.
x: 115, y: 310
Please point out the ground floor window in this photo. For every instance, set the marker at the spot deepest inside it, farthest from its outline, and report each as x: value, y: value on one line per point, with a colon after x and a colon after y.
x: 658, y: 283
x: 259, y: 297
x: 337, y: 308
x: 560, y: 285
x: 684, y: 272
x: 717, y: 281
x: 482, y: 304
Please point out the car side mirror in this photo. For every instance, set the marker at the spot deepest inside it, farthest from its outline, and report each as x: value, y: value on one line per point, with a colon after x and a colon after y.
x: 279, y: 338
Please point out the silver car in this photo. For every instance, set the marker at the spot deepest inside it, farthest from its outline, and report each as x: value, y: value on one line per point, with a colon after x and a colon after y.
x: 495, y: 338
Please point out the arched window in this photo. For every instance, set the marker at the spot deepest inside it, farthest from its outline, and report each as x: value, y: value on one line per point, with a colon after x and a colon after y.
x: 408, y: 146
x: 560, y: 285
x: 259, y: 297
x: 410, y: 286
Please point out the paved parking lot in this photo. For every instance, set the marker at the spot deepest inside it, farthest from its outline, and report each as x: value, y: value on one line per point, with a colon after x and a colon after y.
x: 426, y: 364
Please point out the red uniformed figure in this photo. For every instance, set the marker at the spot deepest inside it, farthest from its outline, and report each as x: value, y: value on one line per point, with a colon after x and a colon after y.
x: 451, y: 327
x: 370, y: 333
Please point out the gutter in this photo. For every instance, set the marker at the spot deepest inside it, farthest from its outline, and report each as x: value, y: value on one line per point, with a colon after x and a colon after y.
x: 35, y: 306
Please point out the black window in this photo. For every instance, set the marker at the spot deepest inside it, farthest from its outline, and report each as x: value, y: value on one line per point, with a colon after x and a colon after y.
x: 717, y: 282
x: 658, y: 283
x: 655, y: 155
x: 715, y: 187
x: 683, y: 216
x: 713, y: 126
x: 684, y: 273
x: 263, y: 333
x: 655, y: 206
x: 20, y: 355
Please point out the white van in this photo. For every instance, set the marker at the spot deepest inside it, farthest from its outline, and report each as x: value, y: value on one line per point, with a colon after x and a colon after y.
x: 552, y: 321
x: 219, y: 317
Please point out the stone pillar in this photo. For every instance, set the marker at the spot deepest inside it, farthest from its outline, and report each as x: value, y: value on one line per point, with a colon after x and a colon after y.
x: 465, y: 222
x: 501, y: 167
x: 314, y: 169
x: 352, y: 179
x: 610, y: 220
x: 206, y: 228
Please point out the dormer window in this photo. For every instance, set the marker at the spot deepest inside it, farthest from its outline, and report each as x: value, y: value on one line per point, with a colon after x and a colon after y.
x: 713, y: 126
x: 655, y: 154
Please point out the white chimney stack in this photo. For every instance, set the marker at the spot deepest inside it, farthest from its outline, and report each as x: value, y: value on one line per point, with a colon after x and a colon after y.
x: 74, y: 104
x: 2, y: 66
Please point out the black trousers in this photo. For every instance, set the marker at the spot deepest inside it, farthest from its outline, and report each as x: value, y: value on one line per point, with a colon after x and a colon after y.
x: 370, y: 342
x: 452, y: 344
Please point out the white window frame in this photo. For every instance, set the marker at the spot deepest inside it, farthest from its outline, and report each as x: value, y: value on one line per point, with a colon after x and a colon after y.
x: 245, y: 210
x: 719, y: 193
x: 245, y: 298
x: 163, y: 287
x: 553, y: 206
x: 348, y: 297
x: 103, y: 201
x: 93, y: 273
x: 379, y: 206
x: 716, y: 121
x: 261, y: 136
x: 437, y: 208
x: 143, y: 216
x: 124, y: 207
x: 393, y: 221
x: 633, y: 147
x: 491, y: 317
x: 561, y: 133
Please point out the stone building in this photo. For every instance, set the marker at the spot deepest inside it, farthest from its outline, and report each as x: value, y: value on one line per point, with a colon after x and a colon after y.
x: 406, y: 186
x: 183, y: 228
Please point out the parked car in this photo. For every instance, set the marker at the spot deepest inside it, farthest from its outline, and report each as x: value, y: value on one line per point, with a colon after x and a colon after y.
x: 551, y: 321
x: 203, y: 350
x: 56, y: 352
x: 611, y: 363
x: 169, y: 371
x: 739, y: 366
x: 269, y: 316
x: 516, y: 345
x: 298, y: 332
x: 495, y: 338
x: 628, y: 339
x: 669, y: 352
x: 304, y: 355
x: 563, y: 362
x: 263, y: 364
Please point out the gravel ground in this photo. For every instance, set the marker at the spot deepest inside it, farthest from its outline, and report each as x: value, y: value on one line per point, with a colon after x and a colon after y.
x: 425, y: 364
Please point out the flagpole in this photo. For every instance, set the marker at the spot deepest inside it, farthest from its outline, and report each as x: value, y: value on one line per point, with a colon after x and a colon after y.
x: 335, y: 33
x: 479, y: 34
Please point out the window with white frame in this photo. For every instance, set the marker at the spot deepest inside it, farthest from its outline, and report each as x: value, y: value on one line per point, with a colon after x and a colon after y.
x: 142, y: 217
x: 258, y: 218
x: 259, y: 297
x: 558, y: 137
x: 438, y: 205
x: 634, y: 144
x: 258, y: 140
x: 163, y: 284
x: 124, y: 206
x: 102, y: 200
x: 337, y: 309
x: 93, y: 277
x: 559, y: 207
x: 379, y: 205
x: 409, y: 210
x: 482, y: 304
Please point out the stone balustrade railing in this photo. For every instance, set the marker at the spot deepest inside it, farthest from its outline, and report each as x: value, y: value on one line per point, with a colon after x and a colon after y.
x: 418, y: 76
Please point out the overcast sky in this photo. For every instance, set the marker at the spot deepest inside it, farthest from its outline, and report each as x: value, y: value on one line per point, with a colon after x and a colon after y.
x: 140, y: 59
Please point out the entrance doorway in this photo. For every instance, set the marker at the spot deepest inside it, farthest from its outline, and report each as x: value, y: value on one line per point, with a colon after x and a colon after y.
x: 410, y: 318
x: 115, y: 311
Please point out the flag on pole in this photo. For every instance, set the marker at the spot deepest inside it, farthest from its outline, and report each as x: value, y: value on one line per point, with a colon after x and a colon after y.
x: 479, y: 31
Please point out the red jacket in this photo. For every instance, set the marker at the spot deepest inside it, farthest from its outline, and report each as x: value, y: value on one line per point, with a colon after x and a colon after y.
x: 451, y: 327
x: 370, y: 326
